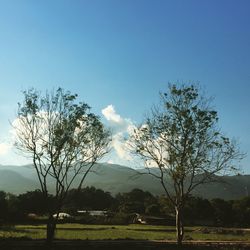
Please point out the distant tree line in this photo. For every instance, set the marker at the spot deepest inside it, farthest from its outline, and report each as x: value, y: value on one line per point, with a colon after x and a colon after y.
x: 122, y: 207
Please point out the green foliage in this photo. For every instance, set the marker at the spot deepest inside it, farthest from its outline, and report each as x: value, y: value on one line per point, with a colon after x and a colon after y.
x: 223, y: 213
x: 182, y: 138
x: 198, y: 210
x: 61, y: 135
x: 89, y: 198
x: 135, y: 201
x: 122, y: 208
x: 3, y: 205
x: 34, y: 202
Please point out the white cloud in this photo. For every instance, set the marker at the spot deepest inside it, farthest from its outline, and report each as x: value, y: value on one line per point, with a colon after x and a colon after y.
x: 119, y: 144
x: 121, y: 127
x: 110, y: 162
x: 8, y: 153
x: 4, y: 148
x: 116, y: 122
x: 111, y: 115
x: 131, y: 129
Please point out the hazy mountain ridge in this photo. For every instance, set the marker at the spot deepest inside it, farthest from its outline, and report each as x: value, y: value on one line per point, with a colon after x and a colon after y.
x: 116, y: 178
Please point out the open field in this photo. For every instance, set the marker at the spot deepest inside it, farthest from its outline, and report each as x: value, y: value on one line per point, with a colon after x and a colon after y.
x: 134, y: 237
x: 114, y: 232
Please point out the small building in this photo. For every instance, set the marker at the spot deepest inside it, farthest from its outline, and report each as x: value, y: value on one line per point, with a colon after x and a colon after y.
x: 93, y: 212
x: 62, y: 216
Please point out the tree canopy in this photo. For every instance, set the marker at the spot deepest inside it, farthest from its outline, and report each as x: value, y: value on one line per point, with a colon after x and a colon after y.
x: 181, y: 138
x: 63, y: 139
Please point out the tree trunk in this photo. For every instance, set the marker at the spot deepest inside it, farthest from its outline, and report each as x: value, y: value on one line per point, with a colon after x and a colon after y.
x: 51, y: 227
x: 179, y: 225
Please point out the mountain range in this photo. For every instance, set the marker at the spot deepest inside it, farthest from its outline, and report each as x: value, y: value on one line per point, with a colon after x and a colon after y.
x: 116, y: 178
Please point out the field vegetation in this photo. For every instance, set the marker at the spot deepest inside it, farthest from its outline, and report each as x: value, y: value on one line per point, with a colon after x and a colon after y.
x: 115, y: 232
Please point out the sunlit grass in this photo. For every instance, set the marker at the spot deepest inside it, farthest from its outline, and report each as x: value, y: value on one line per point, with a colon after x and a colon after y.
x: 100, y: 232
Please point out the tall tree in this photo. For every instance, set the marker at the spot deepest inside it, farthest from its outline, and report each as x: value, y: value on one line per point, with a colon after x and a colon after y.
x: 182, y: 140
x: 63, y: 139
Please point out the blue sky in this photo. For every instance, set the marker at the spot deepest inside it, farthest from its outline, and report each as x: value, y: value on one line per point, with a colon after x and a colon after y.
x: 122, y: 53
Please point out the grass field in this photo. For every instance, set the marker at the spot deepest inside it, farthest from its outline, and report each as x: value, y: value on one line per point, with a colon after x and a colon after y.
x: 138, y: 232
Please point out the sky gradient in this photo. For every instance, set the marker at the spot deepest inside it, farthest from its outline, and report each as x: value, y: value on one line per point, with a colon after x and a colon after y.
x: 118, y: 55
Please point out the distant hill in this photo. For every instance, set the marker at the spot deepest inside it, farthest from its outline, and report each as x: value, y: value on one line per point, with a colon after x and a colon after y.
x: 115, y: 178
x: 13, y: 182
